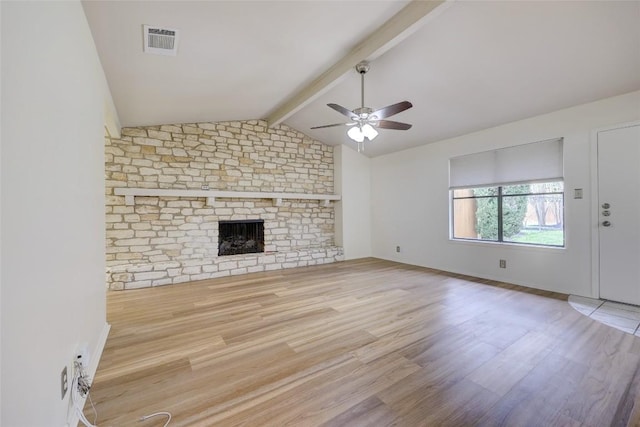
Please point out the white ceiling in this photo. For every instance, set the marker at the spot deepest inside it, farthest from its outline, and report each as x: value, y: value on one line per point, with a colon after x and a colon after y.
x: 473, y: 65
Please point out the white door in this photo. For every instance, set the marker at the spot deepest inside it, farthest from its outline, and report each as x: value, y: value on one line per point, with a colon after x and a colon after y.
x: 619, y: 213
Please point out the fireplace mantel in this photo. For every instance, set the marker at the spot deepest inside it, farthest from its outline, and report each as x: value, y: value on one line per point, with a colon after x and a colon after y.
x: 131, y: 193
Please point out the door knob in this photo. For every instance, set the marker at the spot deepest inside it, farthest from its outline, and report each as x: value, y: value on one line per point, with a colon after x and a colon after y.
x: 606, y: 206
x: 606, y: 223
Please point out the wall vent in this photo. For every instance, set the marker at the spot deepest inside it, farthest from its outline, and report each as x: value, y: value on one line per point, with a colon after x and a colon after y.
x: 160, y: 41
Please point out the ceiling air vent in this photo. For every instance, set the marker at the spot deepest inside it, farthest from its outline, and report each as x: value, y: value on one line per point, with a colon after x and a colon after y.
x: 160, y: 41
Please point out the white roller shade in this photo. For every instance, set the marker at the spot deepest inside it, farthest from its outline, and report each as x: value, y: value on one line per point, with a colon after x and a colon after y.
x: 537, y: 161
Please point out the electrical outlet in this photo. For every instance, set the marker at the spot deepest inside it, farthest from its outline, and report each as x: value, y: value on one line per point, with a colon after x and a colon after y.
x: 64, y: 382
x: 397, y: 248
x: 82, y: 355
x: 503, y: 263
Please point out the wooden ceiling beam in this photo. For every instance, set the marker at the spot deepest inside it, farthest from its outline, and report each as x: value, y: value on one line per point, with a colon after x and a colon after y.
x: 392, y: 32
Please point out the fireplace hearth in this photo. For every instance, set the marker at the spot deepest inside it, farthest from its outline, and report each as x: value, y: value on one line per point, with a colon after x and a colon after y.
x: 240, y: 237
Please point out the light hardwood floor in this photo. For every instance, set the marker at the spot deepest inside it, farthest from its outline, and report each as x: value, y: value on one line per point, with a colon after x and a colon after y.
x: 361, y: 343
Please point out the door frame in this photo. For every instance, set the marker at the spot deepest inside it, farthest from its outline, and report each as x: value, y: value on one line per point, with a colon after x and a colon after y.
x: 595, y: 204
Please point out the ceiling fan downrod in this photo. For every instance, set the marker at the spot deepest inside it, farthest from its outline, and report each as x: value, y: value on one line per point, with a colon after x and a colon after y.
x: 362, y: 67
x: 363, y: 112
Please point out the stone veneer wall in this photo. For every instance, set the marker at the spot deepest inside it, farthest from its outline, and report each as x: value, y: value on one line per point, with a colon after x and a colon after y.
x: 167, y: 240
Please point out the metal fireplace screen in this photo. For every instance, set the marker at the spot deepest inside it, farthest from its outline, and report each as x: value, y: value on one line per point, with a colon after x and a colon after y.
x: 240, y: 237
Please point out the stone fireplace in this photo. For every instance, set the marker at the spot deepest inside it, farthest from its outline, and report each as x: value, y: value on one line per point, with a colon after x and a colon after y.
x: 240, y: 237
x: 175, y: 238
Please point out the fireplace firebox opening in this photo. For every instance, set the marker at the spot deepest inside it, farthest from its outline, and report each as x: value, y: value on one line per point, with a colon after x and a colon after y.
x: 240, y: 237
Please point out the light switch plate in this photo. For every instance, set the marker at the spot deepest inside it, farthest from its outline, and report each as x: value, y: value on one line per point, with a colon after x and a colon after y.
x: 577, y: 193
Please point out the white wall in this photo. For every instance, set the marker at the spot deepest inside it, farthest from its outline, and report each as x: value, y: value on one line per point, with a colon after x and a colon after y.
x: 0, y: 225
x: 410, y: 201
x: 52, y: 197
x: 352, y: 180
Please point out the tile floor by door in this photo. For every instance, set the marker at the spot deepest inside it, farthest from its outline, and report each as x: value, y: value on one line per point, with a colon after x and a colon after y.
x: 621, y: 316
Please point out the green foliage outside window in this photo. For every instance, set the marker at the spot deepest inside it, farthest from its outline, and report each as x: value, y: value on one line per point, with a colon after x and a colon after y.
x: 514, y: 209
x: 486, y: 214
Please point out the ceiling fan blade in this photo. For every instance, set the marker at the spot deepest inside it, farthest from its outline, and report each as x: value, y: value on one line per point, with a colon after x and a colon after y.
x: 390, y: 110
x: 340, y: 109
x: 333, y: 125
x: 390, y: 124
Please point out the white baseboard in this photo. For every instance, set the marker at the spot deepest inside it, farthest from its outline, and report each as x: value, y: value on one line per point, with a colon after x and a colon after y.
x: 97, y: 352
x: 93, y: 367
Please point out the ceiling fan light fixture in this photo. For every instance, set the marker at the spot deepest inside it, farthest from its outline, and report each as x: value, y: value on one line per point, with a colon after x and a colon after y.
x: 369, y: 131
x: 356, y: 134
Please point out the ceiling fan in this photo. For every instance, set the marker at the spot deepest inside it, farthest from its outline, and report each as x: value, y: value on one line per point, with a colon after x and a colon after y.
x: 365, y: 120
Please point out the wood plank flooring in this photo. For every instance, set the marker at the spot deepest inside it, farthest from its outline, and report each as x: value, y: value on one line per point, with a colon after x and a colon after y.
x: 361, y: 343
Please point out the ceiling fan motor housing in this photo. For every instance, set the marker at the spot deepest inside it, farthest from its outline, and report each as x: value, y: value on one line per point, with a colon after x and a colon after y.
x: 364, y: 112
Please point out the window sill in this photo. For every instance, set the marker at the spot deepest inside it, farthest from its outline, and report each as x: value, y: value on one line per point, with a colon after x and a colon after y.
x: 506, y: 245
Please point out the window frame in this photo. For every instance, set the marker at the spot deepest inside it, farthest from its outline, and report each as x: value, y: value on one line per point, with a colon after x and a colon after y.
x: 499, y: 196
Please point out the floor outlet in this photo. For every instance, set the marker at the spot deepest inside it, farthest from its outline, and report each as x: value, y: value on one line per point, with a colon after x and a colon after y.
x: 64, y: 382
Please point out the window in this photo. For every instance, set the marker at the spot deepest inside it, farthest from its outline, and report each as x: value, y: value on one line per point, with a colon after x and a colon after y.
x: 523, y: 213
x: 509, y: 195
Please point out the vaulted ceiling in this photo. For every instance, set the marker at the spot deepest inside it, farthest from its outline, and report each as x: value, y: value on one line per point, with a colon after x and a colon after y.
x: 465, y: 65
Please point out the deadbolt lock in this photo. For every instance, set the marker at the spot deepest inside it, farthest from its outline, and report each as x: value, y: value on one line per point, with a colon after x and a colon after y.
x: 606, y: 206
x: 606, y: 213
